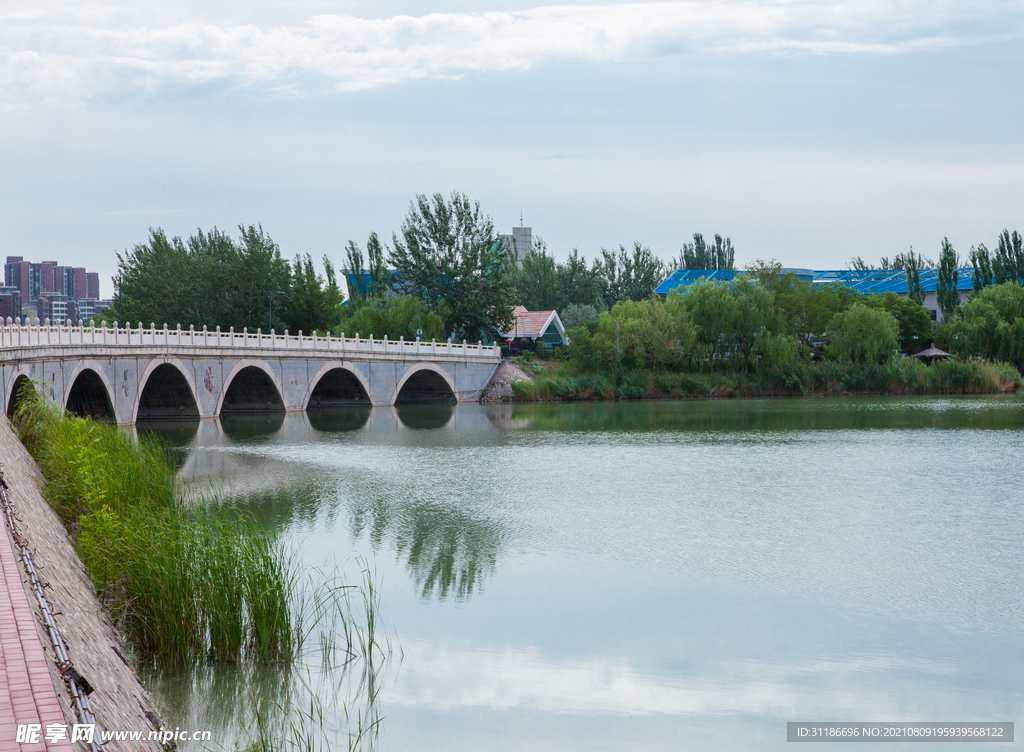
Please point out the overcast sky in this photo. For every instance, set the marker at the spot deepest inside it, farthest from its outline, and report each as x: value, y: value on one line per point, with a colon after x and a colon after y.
x: 808, y: 132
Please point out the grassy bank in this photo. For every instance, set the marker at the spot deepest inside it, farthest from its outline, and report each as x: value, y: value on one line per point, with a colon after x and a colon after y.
x: 184, y: 583
x: 563, y: 382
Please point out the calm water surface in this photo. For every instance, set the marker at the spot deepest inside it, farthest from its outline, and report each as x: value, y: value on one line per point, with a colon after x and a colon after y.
x: 675, y: 575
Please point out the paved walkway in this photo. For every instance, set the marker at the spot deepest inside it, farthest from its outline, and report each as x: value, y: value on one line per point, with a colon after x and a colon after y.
x: 26, y: 691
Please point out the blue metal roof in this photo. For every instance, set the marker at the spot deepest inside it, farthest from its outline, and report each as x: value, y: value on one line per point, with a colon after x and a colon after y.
x: 868, y: 281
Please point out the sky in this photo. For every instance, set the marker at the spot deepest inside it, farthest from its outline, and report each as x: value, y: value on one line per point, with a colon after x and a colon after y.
x: 807, y: 132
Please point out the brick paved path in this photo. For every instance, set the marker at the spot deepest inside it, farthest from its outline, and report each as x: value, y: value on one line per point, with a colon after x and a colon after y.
x: 26, y: 691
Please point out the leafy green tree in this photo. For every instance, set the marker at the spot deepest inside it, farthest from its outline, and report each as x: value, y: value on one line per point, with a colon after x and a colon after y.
x: 310, y: 302
x: 912, y: 264
x: 947, y: 295
x: 863, y: 335
x: 377, y: 283
x: 574, y: 315
x: 209, y: 279
x: 537, y: 280
x: 729, y: 319
x: 630, y: 276
x: 393, y: 317
x: 701, y: 255
x: 579, y: 284
x: 991, y: 325
x: 448, y: 251
x: 649, y: 333
x: 1008, y: 263
x: 981, y: 261
x: 915, y: 324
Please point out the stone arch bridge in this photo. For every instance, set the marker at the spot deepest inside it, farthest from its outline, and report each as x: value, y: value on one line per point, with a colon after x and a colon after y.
x: 130, y: 374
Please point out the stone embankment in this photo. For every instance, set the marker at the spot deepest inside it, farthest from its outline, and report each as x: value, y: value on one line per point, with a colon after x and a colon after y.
x: 118, y: 700
x: 499, y: 388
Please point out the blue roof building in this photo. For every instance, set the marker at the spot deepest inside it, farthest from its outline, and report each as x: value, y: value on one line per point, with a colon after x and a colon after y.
x: 867, y: 281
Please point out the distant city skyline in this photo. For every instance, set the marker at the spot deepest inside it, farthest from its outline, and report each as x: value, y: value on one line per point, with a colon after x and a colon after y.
x: 806, y: 132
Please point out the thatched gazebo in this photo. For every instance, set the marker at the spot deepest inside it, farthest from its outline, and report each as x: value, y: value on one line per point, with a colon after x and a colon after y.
x: 931, y: 354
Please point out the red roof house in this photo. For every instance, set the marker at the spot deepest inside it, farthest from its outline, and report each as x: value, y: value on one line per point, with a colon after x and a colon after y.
x: 535, y: 325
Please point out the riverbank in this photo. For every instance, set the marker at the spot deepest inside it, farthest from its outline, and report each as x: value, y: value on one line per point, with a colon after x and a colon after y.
x: 119, y: 700
x: 561, y: 382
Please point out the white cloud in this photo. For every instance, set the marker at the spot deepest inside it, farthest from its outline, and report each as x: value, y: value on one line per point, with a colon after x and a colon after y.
x: 106, y: 51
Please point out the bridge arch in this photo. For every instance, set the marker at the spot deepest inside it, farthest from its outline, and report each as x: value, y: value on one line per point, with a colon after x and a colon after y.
x: 179, y: 397
x: 13, y: 397
x: 340, y: 384
x: 425, y: 382
x: 89, y: 393
x: 246, y: 385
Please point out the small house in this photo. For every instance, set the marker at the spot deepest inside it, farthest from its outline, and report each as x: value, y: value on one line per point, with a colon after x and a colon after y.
x: 535, y: 325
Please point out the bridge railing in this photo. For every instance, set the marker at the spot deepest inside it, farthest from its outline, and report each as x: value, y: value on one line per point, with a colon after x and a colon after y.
x: 13, y: 335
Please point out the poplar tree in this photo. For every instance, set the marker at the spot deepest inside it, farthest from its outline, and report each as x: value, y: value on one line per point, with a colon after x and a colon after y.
x: 912, y: 265
x: 982, y: 263
x: 947, y: 295
x: 1008, y: 264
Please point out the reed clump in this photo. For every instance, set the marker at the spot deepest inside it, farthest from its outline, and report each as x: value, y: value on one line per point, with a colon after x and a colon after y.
x: 184, y: 582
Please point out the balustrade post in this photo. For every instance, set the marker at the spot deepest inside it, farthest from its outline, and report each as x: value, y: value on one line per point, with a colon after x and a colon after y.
x: 433, y: 345
x: 314, y: 339
x: 259, y: 336
x: 166, y: 334
x: 245, y: 336
x: 218, y: 335
x: 370, y: 340
x: 286, y: 338
x: 192, y: 335
x: 385, y: 344
x: 206, y: 335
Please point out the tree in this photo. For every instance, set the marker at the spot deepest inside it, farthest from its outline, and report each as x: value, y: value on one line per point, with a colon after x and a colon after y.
x: 310, y: 303
x: 1008, y: 264
x: 579, y: 284
x: 915, y: 324
x: 448, y: 251
x: 700, y: 255
x: 912, y: 265
x: 981, y: 261
x: 574, y: 315
x: 537, y: 280
x: 630, y: 276
x: 392, y: 317
x: 210, y: 279
x: 991, y: 325
x: 947, y: 294
x: 863, y: 335
x: 377, y: 283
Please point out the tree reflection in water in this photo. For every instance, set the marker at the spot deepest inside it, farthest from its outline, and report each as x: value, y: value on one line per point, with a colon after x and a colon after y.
x: 448, y: 551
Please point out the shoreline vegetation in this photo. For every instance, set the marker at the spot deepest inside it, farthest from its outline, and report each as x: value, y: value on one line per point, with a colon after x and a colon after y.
x: 192, y: 583
x: 556, y: 382
x: 186, y: 583
x: 768, y: 333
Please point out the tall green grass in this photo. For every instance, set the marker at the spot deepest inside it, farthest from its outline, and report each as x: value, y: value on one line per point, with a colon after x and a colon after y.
x: 903, y: 376
x: 184, y: 582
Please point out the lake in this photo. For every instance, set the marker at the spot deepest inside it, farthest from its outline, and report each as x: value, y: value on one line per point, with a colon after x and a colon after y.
x: 648, y: 575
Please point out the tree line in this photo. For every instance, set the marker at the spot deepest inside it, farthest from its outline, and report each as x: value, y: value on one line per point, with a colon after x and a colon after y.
x: 446, y: 273
x: 771, y: 322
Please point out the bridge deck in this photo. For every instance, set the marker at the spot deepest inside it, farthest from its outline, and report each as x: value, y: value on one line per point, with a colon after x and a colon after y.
x: 13, y: 336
